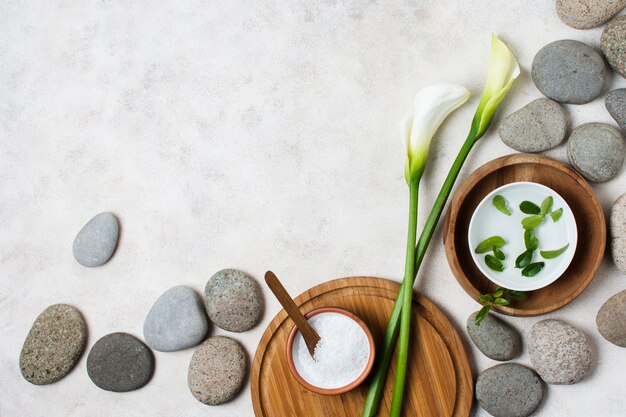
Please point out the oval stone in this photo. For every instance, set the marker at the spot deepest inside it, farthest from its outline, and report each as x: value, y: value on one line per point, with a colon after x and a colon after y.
x: 613, y: 44
x: 569, y: 72
x: 176, y: 321
x: 495, y: 338
x: 217, y: 370
x: 95, y: 243
x: 233, y: 300
x: 54, y: 344
x: 560, y: 353
x: 120, y: 362
x: 611, y: 319
x: 587, y: 14
x: 509, y: 390
x: 597, y: 151
x: 616, y: 105
x: 618, y: 232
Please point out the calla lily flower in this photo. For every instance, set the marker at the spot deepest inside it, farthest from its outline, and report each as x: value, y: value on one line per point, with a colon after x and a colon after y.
x: 432, y: 105
x: 503, y: 70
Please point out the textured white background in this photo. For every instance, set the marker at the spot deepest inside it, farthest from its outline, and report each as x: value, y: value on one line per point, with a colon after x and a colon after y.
x: 242, y: 134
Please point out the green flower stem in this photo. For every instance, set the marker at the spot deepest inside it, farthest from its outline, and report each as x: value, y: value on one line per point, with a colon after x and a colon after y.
x: 379, y: 375
x: 405, y: 328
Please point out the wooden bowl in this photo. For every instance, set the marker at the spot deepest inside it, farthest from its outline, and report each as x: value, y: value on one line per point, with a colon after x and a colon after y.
x: 562, y: 179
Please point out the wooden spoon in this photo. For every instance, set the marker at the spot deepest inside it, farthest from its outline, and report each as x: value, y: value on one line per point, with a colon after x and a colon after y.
x: 308, y: 332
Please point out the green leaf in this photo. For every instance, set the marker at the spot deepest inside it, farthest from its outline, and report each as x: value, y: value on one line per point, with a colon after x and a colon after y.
x: 498, y: 253
x: 533, y: 269
x: 494, y: 263
x: 490, y: 243
x: 486, y: 298
x: 551, y: 254
x: 481, y: 315
x: 514, y: 295
x: 524, y: 259
x: 532, y: 221
x: 498, y: 292
x: 556, y: 215
x: 500, y: 204
x: 501, y: 302
x: 530, y: 239
x: 546, y: 205
x: 529, y: 207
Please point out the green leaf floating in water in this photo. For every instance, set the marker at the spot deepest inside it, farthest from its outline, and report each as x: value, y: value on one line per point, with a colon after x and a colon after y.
x: 551, y: 254
x: 546, y: 205
x: 532, y: 221
x: 494, y: 263
x: 556, y: 214
x: 490, y: 243
x: 498, y: 253
x: 524, y: 259
x: 529, y: 207
x: 530, y: 239
x: 533, y: 269
x: 500, y: 204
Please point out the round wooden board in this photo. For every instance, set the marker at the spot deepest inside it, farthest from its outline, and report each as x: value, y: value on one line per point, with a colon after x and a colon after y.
x: 562, y: 179
x: 439, y: 378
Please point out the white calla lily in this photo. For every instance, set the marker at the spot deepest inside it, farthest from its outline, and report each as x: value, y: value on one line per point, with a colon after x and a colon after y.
x: 432, y: 105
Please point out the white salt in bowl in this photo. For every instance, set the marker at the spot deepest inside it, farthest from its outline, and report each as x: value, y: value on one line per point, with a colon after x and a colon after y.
x: 337, y: 370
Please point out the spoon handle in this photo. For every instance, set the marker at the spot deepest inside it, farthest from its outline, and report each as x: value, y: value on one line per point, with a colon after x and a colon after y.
x: 308, y: 332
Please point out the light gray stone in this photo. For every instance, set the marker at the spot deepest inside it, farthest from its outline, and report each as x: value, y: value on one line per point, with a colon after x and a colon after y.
x: 120, y: 362
x: 597, y: 151
x: 618, y: 233
x: 217, y: 370
x: 536, y: 127
x: 176, y: 321
x: 611, y: 319
x: 587, y: 14
x: 95, y: 243
x: 54, y: 344
x: 509, y: 390
x: 613, y: 44
x: 233, y: 300
x: 560, y: 353
x: 616, y: 105
x: 569, y: 72
x: 494, y: 337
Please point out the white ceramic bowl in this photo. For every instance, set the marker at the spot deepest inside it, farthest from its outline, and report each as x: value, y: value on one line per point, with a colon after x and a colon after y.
x: 487, y: 221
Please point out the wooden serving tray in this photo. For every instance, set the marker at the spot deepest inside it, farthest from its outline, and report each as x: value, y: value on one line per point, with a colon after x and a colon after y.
x: 439, y: 378
x: 562, y: 179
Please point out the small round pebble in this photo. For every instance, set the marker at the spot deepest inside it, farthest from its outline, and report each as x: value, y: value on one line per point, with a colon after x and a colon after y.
x: 560, y: 353
x: 217, y: 370
x: 233, y: 300
x: 509, y: 390
x: 536, y: 127
x: 587, y: 14
x: 176, y: 321
x: 120, y: 362
x: 494, y: 337
x: 54, y: 344
x: 597, y: 151
x: 613, y: 44
x: 95, y: 243
x: 618, y: 232
x: 611, y: 319
x: 616, y: 105
x: 569, y: 72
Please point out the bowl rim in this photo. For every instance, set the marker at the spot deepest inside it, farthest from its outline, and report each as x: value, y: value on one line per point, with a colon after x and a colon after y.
x: 345, y: 388
x: 558, y: 272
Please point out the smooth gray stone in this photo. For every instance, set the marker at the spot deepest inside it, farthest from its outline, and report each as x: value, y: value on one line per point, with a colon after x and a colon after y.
x: 597, y: 151
x: 233, y: 300
x: 176, y: 321
x: 611, y: 319
x: 618, y: 233
x: 509, y: 390
x: 120, y: 362
x: 560, y: 353
x: 613, y: 44
x: 217, y: 370
x: 54, y: 344
x: 495, y: 338
x: 616, y: 105
x: 587, y: 14
x: 536, y: 127
x: 95, y: 243
x: 569, y: 72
